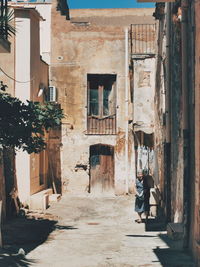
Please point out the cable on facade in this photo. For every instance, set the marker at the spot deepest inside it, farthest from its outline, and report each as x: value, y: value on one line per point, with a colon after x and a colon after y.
x: 14, y: 78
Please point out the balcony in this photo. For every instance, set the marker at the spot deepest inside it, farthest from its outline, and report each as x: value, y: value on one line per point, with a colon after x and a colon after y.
x: 143, y: 39
x: 101, y: 119
x: 4, y: 43
x: 101, y: 126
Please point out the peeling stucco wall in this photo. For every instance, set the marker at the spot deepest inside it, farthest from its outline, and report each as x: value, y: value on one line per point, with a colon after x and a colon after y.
x: 144, y: 91
x: 177, y: 161
x: 169, y: 120
x: 87, y: 45
x: 181, y: 149
x: 161, y: 110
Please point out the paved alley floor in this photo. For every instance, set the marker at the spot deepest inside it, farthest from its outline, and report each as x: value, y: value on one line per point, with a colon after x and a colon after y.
x: 97, y: 232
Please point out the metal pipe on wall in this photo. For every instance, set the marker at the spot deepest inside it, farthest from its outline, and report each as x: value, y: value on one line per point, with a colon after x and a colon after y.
x: 126, y: 111
x: 184, y: 61
x: 168, y: 76
x: 185, y: 110
x: 168, y: 114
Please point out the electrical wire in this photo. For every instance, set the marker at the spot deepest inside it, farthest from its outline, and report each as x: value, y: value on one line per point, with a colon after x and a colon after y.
x: 14, y: 78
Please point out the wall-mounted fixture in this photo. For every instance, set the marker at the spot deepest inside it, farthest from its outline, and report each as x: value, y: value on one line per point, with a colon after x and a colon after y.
x: 41, y: 90
x: 52, y: 94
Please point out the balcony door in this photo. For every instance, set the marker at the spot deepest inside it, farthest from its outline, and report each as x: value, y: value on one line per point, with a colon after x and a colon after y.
x: 101, y: 104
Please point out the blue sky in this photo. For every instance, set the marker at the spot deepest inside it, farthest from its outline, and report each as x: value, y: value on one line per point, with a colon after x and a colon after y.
x: 74, y: 4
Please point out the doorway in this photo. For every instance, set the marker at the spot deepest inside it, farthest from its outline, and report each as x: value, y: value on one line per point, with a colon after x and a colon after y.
x: 101, y: 169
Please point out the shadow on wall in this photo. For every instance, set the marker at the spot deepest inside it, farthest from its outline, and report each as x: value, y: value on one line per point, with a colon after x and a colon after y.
x: 175, y: 255
x: 54, y: 168
x: 155, y: 225
x: 10, y: 180
x: 171, y: 257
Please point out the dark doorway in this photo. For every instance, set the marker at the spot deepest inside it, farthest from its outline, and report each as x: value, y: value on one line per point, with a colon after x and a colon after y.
x: 101, y: 169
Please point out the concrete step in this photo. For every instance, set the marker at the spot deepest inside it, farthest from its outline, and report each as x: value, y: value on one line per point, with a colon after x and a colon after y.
x: 40, y: 200
x: 48, y: 191
x: 175, y: 231
x: 54, y: 197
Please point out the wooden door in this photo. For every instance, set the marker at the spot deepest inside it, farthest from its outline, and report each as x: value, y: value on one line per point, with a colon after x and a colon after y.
x: 101, y: 169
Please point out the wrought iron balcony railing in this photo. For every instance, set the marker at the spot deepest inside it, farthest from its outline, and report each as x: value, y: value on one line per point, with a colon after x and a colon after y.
x: 143, y: 39
x: 106, y: 125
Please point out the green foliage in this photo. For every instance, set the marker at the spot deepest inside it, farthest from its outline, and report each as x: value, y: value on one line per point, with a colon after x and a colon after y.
x: 7, y: 24
x: 22, y: 125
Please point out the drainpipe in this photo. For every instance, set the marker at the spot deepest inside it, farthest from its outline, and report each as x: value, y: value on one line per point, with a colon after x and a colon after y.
x: 126, y: 111
x: 168, y: 76
x: 168, y: 114
x: 184, y: 61
x: 185, y: 97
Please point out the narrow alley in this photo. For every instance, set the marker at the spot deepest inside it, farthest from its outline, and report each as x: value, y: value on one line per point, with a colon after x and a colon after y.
x: 100, y: 232
x: 99, y: 106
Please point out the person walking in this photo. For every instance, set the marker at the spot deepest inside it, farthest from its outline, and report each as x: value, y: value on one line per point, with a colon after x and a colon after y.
x: 142, y: 197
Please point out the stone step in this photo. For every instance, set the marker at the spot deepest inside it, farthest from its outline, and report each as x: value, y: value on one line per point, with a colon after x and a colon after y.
x: 175, y: 231
x: 54, y: 197
x: 48, y: 191
x: 40, y: 200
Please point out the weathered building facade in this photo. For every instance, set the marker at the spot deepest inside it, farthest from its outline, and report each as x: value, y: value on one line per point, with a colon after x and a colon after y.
x: 177, y: 120
x: 90, y: 70
x: 25, y: 73
x: 143, y: 61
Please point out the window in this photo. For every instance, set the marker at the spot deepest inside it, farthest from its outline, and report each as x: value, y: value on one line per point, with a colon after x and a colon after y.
x: 101, y: 103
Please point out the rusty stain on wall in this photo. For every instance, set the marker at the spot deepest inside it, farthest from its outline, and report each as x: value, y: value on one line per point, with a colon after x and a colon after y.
x: 144, y: 79
x: 120, y: 142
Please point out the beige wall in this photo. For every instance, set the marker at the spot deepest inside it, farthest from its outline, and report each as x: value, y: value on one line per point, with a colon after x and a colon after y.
x: 31, y: 73
x: 7, y: 65
x: 144, y: 92
x: 45, y: 31
x: 39, y: 70
x: 30, y: 68
x: 133, y: 15
x: 93, y: 48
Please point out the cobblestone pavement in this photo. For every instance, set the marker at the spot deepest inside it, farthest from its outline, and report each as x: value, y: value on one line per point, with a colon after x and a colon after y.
x: 101, y: 232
